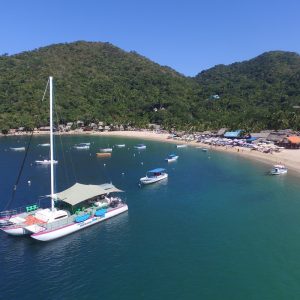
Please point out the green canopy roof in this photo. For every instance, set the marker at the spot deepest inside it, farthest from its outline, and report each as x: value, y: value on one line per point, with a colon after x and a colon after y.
x: 81, y: 192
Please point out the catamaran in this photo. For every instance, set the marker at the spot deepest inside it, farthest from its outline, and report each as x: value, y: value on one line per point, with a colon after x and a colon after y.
x: 71, y: 210
x: 154, y: 176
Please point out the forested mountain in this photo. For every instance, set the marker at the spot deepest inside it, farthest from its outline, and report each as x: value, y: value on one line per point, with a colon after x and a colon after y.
x: 98, y: 81
x: 262, y: 92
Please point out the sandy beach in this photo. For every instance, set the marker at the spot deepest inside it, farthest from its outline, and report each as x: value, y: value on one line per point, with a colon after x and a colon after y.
x: 289, y: 157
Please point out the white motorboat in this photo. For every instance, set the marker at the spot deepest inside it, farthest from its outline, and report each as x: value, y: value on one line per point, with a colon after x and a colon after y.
x: 278, y: 170
x: 106, y: 150
x: 172, y: 157
x: 120, y: 145
x: 17, y: 148
x: 82, y: 146
x: 181, y: 146
x: 140, y: 146
x: 154, y: 175
x: 44, y: 145
x: 93, y: 202
x: 45, y: 162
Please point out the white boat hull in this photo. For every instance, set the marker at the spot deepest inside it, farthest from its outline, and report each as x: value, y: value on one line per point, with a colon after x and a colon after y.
x: 16, y: 231
x: 82, y: 147
x: 106, y: 150
x: 172, y: 159
x: 49, y: 235
x: 278, y: 172
x: 45, y: 162
x: 149, y: 180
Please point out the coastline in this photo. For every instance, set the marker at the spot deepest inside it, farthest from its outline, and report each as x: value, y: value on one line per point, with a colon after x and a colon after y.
x: 289, y: 157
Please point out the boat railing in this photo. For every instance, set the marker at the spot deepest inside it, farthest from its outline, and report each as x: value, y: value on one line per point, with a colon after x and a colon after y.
x: 17, y: 211
x: 58, y: 224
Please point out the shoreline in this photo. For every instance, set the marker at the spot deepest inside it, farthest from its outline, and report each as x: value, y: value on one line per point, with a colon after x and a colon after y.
x: 289, y: 157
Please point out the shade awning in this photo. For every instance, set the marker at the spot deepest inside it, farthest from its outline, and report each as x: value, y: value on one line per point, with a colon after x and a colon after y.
x: 82, y: 192
x: 294, y: 139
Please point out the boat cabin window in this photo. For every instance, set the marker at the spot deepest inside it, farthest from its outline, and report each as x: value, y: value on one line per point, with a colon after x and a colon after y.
x: 59, y: 217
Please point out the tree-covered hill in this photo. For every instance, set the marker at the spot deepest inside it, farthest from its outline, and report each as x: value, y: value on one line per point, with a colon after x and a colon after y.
x: 98, y: 81
x: 261, y: 92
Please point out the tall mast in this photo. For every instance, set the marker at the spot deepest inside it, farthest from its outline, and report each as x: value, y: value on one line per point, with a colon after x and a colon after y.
x: 51, y: 142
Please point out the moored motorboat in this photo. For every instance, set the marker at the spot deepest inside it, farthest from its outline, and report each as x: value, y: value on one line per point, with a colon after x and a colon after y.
x: 45, y: 162
x: 17, y: 148
x: 140, y: 146
x: 106, y: 150
x: 103, y: 154
x: 172, y: 157
x: 278, y: 170
x: 120, y: 145
x: 44, y: 145
x: 154, y: 175
x: 181, y: 146
x: 82, y: 146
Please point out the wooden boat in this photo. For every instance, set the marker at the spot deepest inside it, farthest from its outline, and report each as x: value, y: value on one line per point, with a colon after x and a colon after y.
x: 103, y: 154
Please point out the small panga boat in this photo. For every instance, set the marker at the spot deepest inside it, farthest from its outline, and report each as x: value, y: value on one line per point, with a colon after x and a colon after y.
x: 106, y: 149
x: 120, y: 145
x: 17, y: 148
x: 140, y: 146
x: 278, y: 170
x: 45, y: 162
x: 172, y: 157
x: 103, y: 154
x: 82, y: 146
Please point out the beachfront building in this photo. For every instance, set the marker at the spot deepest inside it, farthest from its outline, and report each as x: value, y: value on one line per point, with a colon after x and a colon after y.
x: 291, y: 142
x: 238, y: 134
x: 221, y: 132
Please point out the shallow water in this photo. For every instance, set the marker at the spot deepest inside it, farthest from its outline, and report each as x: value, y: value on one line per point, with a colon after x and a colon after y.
x: 218, y: 228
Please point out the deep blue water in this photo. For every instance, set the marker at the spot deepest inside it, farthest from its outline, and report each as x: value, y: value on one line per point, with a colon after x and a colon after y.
x: 218, y: 228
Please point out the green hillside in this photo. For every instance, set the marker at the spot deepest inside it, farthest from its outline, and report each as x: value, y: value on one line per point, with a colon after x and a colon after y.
x: 259, y: 93
x: 98, y: 81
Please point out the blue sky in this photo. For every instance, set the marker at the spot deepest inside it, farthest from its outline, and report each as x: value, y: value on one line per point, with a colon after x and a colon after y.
x: 188, y: 36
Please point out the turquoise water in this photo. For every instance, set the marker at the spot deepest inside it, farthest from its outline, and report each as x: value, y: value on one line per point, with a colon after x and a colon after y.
x: 218, y: 228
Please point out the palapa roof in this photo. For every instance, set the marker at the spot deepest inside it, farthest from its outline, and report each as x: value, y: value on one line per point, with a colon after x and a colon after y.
x: 78, y: 192
x: 294, y: 139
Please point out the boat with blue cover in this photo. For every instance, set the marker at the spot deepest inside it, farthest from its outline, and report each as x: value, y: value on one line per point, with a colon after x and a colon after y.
x: 82, y: 218
x: 154, y: 175
x: 100, y: 212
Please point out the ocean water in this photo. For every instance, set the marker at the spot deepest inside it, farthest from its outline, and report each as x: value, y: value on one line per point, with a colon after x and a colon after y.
x: 218, y: 228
